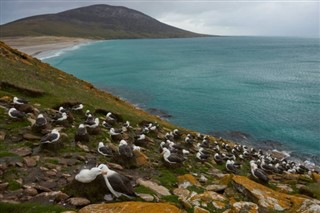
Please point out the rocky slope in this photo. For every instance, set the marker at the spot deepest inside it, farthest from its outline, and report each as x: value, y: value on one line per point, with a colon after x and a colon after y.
x: 95, y: 22
x: 32, y: 172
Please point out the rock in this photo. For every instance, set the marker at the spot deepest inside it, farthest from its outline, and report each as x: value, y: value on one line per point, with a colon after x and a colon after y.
x: 20, y: 164
x: 31, y: 161
x: 31, y: 137
x: 309, y: 206
x: 269, y: 200
x: 23, y: 151
x: 2, y: 135
x: 42, y: 188
x: 108, y: 197
x: 78, y: 201
x: 69, y: 212
x: 5, y: 99
x: 146, y: 197
x: 141, y: 159
x: 83, y: 147
x: 132, y: 207
x: 49, y: 197
x: 114, y: 166
x: 30, y: 191
x: 216, y: 187
x: 284, y: 188
x: 207, y: 197
x: 197, y: 209
x: 316, y: 177
x: 203, y: 179
x: 158, y: 189
x: 187, y: 180
x: 243, y: 207
x: 182, y: 193
x: 3, y: 186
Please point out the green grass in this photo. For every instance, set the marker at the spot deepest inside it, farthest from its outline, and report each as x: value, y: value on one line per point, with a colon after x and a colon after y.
x: 167, y: 178
x: 171, y: 199
x: 31, y: 208
x: 14, y: 185
x: 314, y: 188
x: 7, y: 154
x: 144, y: 190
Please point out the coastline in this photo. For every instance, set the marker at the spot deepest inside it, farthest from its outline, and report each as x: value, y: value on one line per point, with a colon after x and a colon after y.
x: 42, y: 47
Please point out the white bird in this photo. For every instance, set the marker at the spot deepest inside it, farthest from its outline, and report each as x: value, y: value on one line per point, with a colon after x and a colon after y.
x: 87, y: 176
x: 14, y: 113
x: 77, y: 107
x: 51, y: 137
x: 19, y: 101
x: 117, y: 184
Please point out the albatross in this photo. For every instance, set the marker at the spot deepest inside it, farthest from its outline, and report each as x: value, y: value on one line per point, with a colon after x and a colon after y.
x: 103, y: 150
x: 14, y: 113
x: 172, y: 158
x: 40, y: 121
x: 51, y: 137
x: 258, y: 173
x: 125, y: 150
x: 89, y: 175
x: 117, y: 184
x: 19, y: 101
x: 82, y: 134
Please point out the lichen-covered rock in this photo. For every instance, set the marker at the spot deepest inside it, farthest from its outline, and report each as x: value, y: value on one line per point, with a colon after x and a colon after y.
x: 270, y: 200
x: 207, y: 197
x: 284, y: 188
x: 244, y: 207
x: 216, y: 187
x: 132, y: 207
x: 141, y: 159
x: 187, y: 180
x: 198, y: 209
x: 316, y: 177
x: 182, y: 193
x: 160, y: 190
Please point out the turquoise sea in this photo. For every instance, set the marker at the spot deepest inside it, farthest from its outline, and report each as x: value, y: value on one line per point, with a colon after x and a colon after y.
x: 266, y: 87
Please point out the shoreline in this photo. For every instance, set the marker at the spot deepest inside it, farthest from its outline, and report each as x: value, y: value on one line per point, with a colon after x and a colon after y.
x: 42, y: 47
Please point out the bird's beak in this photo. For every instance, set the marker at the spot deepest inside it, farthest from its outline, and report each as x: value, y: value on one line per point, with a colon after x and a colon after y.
x: 104, y: 172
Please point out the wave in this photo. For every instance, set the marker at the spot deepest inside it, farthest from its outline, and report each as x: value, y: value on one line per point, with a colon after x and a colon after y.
x: 55, y: 53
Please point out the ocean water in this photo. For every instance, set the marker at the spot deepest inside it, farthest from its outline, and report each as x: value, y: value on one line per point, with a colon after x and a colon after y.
x: 266, y: 87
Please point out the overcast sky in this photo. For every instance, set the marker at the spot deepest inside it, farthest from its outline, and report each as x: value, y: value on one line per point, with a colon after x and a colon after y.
x: 233, y: 17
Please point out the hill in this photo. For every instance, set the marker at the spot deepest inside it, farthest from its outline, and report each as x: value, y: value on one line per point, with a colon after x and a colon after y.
x: 35, y: 173
x: 94, y: 22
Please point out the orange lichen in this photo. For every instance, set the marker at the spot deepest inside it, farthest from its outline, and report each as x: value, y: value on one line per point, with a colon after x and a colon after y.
x: 188, y: 178
x: 132, y: 207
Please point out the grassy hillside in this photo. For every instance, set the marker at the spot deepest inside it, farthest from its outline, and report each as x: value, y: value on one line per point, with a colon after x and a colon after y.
x: 95, y: 22
x: 28, y: 73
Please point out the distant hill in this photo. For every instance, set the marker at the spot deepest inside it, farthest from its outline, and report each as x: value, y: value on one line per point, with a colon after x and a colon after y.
x: 95, y: 22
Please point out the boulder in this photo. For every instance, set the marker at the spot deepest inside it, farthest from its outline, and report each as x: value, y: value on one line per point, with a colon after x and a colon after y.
x: 146, y: 197
x: 197, y: 209
x: 132, y: 207
x: 182, y: 193
x: 78, y: 201
x: 244, y: 207
x: 31, y: 137
x: 158, y: 189
x: 316, y: 177
x: 207, y: 197
x: 216, y: 187
x: 187, y: 180
x: 31, y: 161
x: 269, y: 200
x: 141, y: 159
x: 23, y: 151
x: 49, y: 197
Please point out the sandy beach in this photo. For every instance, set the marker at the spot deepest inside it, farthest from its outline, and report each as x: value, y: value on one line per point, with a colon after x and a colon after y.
x: 43, y: 46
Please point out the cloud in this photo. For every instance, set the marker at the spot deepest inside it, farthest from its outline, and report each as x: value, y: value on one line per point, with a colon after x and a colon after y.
x: 263, y: 18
